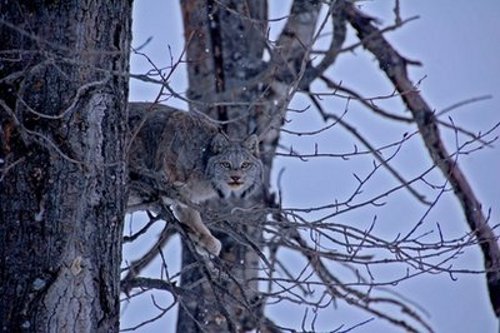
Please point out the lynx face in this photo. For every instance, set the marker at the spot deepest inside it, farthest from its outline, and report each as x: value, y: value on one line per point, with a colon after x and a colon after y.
x: 234, y: 168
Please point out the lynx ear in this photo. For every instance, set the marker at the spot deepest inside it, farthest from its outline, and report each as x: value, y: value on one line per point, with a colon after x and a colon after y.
x: 219, y: 143
x: 252, y: 144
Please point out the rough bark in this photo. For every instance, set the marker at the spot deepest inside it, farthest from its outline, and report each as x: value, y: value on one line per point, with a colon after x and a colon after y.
x: 62, y: 153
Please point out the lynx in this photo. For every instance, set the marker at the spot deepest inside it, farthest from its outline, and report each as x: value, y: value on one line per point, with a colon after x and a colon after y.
x: 186, y: 160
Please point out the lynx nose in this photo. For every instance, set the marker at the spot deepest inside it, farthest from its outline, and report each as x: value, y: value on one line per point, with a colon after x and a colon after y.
x: 235, y: 178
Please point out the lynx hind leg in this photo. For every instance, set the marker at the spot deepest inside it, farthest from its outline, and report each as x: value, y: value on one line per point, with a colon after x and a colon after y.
x: 199, y: 232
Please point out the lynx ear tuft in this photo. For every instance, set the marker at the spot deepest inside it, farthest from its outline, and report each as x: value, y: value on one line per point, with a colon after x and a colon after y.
x: 252, y: 144
x: 219, y: 143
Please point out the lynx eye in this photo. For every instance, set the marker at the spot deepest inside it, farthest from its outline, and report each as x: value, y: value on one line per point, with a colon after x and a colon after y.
x: 225, y: 165
x: 245, y: 165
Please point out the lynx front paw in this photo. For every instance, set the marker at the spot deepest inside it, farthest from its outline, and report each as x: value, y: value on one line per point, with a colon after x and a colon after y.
x: 212, y: 244
x: 206, y: 244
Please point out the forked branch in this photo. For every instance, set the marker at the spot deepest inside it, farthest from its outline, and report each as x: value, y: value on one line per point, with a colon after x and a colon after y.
x: 395, y: 67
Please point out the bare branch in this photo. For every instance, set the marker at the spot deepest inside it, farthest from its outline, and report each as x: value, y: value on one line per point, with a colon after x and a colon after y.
x: 395, y: 67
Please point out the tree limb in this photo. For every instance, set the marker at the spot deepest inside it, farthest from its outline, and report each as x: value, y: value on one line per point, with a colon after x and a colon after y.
x: 395, y: 67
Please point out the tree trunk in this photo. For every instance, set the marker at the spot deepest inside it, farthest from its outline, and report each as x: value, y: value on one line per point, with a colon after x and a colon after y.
x: 224, y: 51
x: 62, y: 160
x: 230, y: 81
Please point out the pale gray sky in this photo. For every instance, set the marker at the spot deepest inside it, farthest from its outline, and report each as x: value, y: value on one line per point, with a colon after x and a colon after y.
x: 458, y: 42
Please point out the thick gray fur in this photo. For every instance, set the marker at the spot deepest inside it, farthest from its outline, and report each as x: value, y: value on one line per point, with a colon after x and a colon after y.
x: 184, y: 159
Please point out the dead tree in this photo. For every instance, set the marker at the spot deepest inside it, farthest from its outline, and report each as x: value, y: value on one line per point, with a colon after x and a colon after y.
x: 245, y: 82
x: 63, y: 97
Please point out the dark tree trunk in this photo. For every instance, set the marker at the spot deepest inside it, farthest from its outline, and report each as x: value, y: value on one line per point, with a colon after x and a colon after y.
x: 222, y: 57
x: 230, y: 81
x: 62, y: 152
x: 224, y: 51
